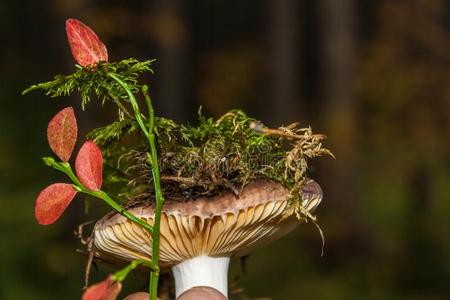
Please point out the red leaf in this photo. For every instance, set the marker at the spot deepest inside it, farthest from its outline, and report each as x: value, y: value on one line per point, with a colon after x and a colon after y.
x: 52, y: 201
x: 107, y: 289
x: 62, y: 133
x: 86, y: 47
x: 89, y: 166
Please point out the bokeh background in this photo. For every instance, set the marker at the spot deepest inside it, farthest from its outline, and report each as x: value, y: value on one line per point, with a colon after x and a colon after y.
x: 373, y: 75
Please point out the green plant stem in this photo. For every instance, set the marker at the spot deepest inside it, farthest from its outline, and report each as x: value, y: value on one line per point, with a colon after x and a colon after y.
x: 105, y: 197
x: 133, y: 102
x: 159, y: 200
x: 122, y: 274
x: 149, y: 133
x: 65, y: 168
x: 151, y: 111
x: 120, y: 105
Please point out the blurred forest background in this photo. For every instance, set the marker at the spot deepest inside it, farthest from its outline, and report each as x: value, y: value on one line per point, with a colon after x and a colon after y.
x: 373, y: 75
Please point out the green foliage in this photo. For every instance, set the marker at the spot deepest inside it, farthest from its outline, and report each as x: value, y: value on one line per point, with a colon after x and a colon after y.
x: 105, y: 135
x: 211, y: 156
x: 94, y: 80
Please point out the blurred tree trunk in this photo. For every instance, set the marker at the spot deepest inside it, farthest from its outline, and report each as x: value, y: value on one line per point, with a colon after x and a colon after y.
x: 337, y: 50
x: 173, y: 61
x: 284, y: 103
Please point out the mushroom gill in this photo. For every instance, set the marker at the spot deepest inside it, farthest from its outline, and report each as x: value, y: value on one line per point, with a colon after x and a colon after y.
x: 214, y: 226
x: 198, y: 237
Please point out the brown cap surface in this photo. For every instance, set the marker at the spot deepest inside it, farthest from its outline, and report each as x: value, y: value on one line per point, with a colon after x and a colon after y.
x: 222, y: 225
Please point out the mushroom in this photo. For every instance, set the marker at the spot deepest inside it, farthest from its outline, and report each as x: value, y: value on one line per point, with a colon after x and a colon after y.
x: 198, y: 237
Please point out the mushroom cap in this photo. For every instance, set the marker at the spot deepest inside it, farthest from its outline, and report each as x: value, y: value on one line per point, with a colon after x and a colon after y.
x: 222, y: 225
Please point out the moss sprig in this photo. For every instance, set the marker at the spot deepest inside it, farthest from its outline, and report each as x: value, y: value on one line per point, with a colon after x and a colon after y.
x: 94, y: 81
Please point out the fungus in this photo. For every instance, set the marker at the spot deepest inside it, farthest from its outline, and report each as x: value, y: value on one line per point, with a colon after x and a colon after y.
x: 199, y: 236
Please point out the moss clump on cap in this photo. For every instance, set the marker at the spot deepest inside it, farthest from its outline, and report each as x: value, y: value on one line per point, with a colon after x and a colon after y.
x: 209, y: 157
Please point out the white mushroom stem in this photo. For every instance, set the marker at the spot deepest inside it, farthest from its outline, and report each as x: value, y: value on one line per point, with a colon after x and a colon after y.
x: 202, y: 271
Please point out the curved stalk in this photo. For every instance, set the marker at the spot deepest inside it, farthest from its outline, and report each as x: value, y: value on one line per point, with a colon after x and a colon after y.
x: 119, y: 104
x: 65, y: 168
x: 133, y: 102
x: 149, y: 134
x: 122, y: 274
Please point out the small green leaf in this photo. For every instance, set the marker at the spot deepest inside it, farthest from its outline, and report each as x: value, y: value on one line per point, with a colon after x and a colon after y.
x: 49, y: 161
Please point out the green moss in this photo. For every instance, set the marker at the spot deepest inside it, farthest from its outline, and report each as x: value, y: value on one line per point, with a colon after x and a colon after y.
x: 207, y: 158
x: 94, y: 80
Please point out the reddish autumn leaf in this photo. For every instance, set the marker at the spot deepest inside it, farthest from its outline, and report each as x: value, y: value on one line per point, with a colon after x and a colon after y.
x: 86, y: 47
x: 52, y: 201
x: 89, y: 166
x: 107, y: 289
x: 62, y: 133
